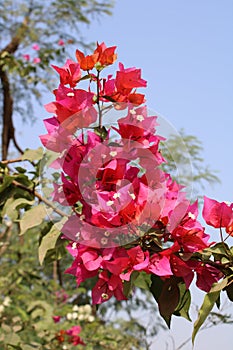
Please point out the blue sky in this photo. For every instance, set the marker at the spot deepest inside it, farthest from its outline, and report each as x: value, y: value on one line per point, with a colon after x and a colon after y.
x: 185, y: 51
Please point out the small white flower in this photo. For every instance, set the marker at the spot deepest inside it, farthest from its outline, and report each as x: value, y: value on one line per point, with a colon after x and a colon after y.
x: 81, y: 317
x: 70, y: 94
x: 87, y: 309
x: 191, y: 215
x: 74, y: 315
x: 64, y: 347
x: 1, y: 308
x: 69, y: 316
x: 109, y: 203
x: 91, y: 318
x: 132, y: 195
x: 75, y: 308
x: 60, y: 189
x: 116, y: 195
x: 7, y: 301
x: 132, y: 111
x: 113, y: 153
x: 140, y: 117
x: 74, y: 245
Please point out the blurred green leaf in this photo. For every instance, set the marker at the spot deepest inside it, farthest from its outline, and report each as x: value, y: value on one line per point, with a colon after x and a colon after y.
x: 183, y: 307
x: 33, y: 217
x: 12, y: 205
x: 33, y: 154
x: 205, y: 309
x: 48, y: 242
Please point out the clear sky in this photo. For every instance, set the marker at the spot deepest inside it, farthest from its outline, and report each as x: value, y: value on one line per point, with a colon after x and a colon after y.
x: 185, y: 50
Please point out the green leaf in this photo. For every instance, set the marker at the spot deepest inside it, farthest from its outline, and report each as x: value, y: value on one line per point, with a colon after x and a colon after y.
x: 128, y: 285
x: 143, y: 281
x: 167, y: 296
x: 48, y: 242
x: 7, y: 180
x: 204, y: 311
x: 33, y: 217
x: 219, y: 286
x: 220, y: 249
x: 229, y: 290
x: 168, y: 299
x: 33, y: 154
x: 45, y: 312
x: 101, y: 131
x: 20, y: 169
x: 11, y: 206
x: 182, y: 308
x: 156, y: 286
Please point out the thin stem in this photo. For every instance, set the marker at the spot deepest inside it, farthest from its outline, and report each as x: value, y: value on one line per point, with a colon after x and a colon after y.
x: 229, y: 235
x: 42, y: 199
x: 9, y: 161
x: 98, y: 100
x: 7, y: 235
x: 222, y: 240
x: 221, y: 235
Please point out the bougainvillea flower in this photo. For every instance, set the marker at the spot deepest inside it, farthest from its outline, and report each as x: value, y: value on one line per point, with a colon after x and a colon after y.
x: 56, y: 319
x: 36, y: 60
x: 74, y: 337
x: 159, y: 265
x: 26, y: 57
x: 36, y: 47
x: 218, y: 214
x: 74, y: 105
x: 78, y: 269
x: 127, y: 213
x: 138, y: 261
x: 121, y: 89
x: 61, y: 42
x: 86, y: 62
x: 106, y: 287
x: 57, y: 138
x: 191, y: 240
x: 106, y: 55
x: 206, y: 276
x: 181, y: 268
x: 70, y: 73
x: 128, y: 79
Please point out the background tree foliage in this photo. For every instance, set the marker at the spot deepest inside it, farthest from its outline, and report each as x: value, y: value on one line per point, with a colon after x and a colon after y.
x: 22, y: 23
x: 33, y: 288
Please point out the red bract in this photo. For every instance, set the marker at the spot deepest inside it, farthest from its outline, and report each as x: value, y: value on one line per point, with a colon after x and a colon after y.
x: 56, y: 319
x: 206, y: 276
x: 159, y: 265
x: 70, y: 73
x: 181, y: 268
x: 73, y: 335
x: 106, y: 287
x: 121, y: 89
x: 58, y: 138
x: 78, y: 268
x: 128, y: 79
x: 102, y: 55
x: 86, y: 62
x: 218, y: 214
x: 106, y: 55
x: 77, y: 105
